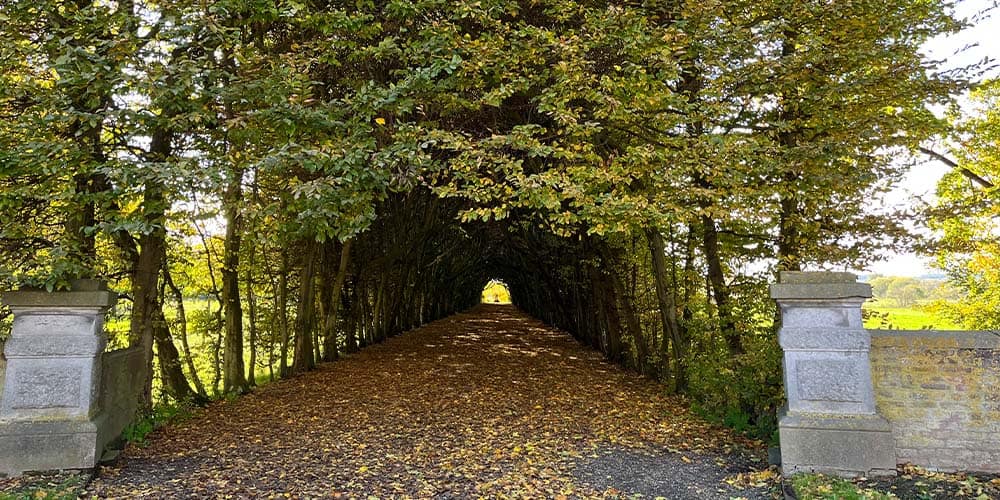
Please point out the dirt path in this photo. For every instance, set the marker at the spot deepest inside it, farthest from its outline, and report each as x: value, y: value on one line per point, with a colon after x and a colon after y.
x: 489, y: 403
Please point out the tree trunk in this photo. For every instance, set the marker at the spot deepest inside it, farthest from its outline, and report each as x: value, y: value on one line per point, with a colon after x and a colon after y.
x: 354, y: 310
x: 668, y: 308
x: 304, y: 319
x: 174, y: 381
x: 621, y: 301
x: 330, y: 327
x: 283, y: 312
x: 252, y: 313
x: 631, y: 323
x: 182, y: 323
x: 145, y: 276
x: 720, y: 291
x: 146, y: 306
x: 233, y: 370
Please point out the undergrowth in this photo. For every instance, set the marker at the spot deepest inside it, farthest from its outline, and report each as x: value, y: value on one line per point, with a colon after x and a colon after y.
x: 161, y: 414
x: 821, y: 487
x: 64, y: 486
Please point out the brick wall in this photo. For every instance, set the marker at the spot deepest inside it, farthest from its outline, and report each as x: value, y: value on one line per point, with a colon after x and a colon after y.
x: 941, y: 391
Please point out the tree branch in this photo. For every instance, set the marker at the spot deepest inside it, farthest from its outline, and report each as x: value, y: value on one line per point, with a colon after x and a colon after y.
x: 964, y: 171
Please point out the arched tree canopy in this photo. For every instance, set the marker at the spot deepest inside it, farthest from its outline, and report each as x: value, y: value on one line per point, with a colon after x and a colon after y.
x: 332, y: 173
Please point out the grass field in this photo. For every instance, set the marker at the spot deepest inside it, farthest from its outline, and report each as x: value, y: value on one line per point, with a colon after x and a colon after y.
x: 905, y: 318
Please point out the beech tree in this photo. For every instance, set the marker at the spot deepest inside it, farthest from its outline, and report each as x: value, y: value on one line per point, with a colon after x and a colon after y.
x: 324, y: 175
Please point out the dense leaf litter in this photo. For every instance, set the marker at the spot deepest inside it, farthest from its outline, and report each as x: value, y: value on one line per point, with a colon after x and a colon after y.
x: 488, y: 403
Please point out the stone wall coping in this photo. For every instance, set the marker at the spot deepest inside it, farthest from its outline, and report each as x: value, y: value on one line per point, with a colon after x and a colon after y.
x: 938, y: 339
x: 813, y: 291
x: 43, y: 299
x: 124, y: 351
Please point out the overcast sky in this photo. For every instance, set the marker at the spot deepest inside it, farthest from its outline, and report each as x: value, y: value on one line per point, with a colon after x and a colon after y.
x: 973, y: 44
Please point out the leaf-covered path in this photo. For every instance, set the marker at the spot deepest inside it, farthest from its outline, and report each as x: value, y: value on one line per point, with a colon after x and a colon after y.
x: 489, y: 403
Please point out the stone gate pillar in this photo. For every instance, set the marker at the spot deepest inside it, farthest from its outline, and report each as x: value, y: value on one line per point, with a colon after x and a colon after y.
x: 830, y: 424
x: 50, y: 396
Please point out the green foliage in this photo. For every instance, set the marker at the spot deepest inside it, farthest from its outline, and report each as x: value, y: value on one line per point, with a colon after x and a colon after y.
x: 161, y: 414
x: 967, y: 214
x: 744, y: 396
x: 743, y: 393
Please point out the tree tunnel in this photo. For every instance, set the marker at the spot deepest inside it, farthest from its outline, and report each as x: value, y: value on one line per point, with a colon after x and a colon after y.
x: 368, y: 167
x: 419, y: 262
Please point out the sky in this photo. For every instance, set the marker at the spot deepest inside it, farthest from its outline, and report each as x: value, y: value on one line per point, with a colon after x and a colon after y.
x: 983, y: 41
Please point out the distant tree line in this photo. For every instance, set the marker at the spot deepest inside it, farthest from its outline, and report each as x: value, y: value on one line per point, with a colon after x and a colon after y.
x: 904, y: 291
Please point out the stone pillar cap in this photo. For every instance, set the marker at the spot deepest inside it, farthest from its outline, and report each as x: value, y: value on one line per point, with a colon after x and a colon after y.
x: 82, y: 293
x: 815, y: 277
x: 818, y: 285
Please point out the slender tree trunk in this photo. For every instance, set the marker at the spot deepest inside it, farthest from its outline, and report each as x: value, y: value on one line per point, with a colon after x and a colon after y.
x: 720, y: 291
x: 144, y: 303
x: 317, y: 322
x: 217, y: 343
x: 330, y: 327
x: 252, y: 312
x: 378, y: 318
x: 305, y: 317
x: 283, y: 312
x: 668, y: 308
x: 631, y: 323
x: 351, y: 344
x: 182, y: 323
x: 146, y: 306
x: 604, y: 293
x: 174, y: 381
x: 621, y: 301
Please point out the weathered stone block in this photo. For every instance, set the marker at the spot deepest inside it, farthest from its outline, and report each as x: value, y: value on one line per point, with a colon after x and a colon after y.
x: 44, y: 446
x: 823, y: 380
x: 828, y: 382
x: 84, y: 299
x: 842, y: 446
x: 51, y: 323
x: 121, y: 382
x: 55, y: 345
x: 3, y: 370
x: 818, y: 290
x: 49, y: 387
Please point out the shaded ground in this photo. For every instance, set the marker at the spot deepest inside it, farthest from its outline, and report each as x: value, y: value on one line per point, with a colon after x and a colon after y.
x: 914, y: 482
x: 487, y: 403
